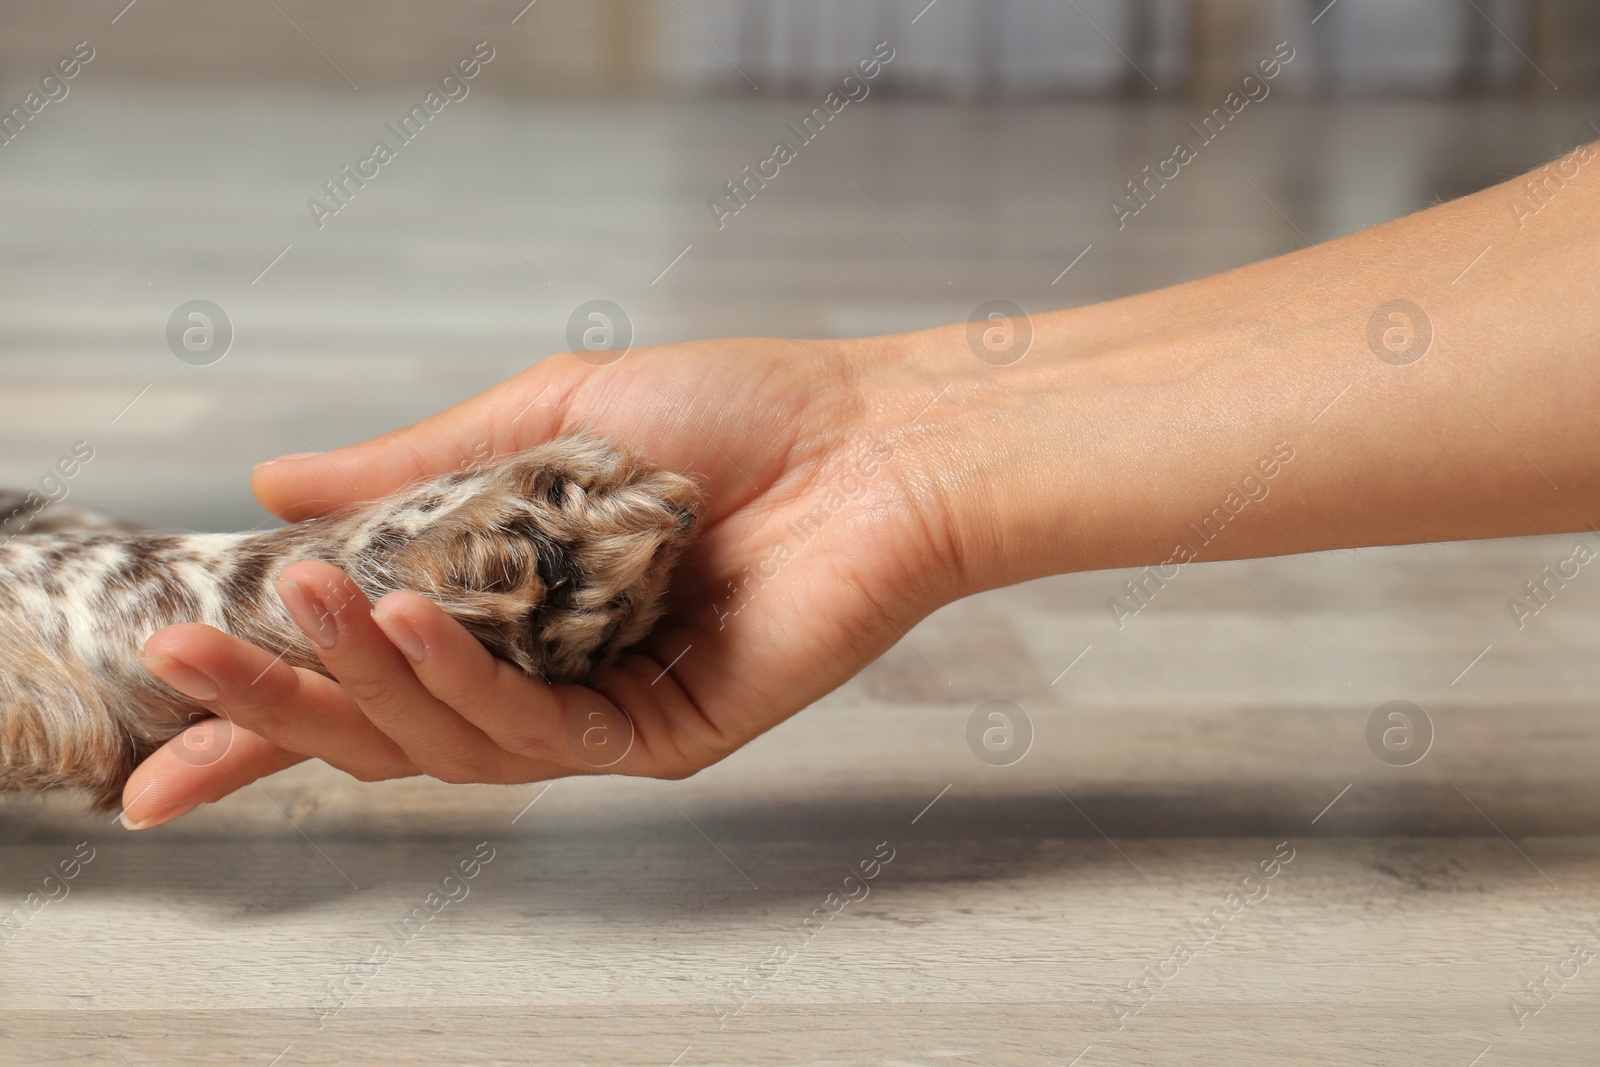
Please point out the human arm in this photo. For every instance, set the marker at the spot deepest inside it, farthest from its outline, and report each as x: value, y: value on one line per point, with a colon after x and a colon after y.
x: 1125, y: 425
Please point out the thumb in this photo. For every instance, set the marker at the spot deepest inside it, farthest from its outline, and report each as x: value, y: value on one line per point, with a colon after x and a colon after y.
x: 508, y: 418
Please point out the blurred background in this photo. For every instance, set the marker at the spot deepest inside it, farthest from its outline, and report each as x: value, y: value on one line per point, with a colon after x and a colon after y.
x: 200, y: 155
x: 1084, y: 49
x: 186, y: 158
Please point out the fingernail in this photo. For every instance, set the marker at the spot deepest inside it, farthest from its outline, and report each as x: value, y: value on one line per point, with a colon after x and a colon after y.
x: 310, y: 613
x: 289, y: 458
x: 187, y: 680
x: 159, y: 820
x: 405, y: 637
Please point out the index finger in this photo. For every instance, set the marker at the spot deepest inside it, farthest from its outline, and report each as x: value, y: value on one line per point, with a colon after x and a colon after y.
x: 202, y: 765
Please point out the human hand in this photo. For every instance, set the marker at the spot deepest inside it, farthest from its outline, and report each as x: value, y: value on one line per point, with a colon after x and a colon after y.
x: 824, y: 537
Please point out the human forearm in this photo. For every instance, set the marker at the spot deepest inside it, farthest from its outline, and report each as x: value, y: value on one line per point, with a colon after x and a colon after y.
x: 1130, y: 423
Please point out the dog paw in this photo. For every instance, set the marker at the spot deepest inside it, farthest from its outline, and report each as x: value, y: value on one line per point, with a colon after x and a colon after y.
x: 557, y: 559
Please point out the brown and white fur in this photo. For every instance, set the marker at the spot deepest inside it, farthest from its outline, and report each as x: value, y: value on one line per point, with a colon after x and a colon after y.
x: 556, y: 559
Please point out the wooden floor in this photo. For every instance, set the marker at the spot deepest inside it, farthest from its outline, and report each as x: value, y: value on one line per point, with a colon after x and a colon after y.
x: 1072, y: 907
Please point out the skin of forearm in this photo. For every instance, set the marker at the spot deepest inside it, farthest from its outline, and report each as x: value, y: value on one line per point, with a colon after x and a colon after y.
x: 1130, y: 422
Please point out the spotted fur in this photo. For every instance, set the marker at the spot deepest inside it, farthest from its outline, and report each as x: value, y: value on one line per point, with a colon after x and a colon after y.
x: 556, y: 559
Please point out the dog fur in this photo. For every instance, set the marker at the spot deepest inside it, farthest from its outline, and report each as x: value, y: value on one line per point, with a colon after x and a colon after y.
x: 556, y: 559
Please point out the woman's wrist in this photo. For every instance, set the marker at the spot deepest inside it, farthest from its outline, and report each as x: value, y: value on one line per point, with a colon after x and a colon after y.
x: 987, y: 456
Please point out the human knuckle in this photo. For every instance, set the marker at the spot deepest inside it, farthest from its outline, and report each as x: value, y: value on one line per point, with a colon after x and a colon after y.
x: 259, y: 717
x: 528, y: 743
x: 713, y: 748
x: 693, y: 750
x: 464, y: 699
x: 369, y: 690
